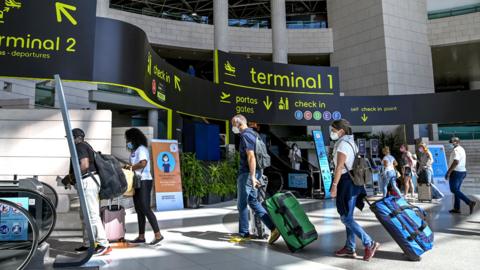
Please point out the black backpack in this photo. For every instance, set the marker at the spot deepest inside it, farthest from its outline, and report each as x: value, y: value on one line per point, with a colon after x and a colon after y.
x: 112, y: 180
x: 261, y: 152
x: 360, y: 169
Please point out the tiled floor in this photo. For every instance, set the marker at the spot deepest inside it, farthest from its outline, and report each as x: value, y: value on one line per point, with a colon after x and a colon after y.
x: 198, y: 239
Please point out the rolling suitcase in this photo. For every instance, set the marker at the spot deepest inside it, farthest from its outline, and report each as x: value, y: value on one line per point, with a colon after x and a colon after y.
x: 424, y: 192
x: 113, y: 219
x: 406, y: 224
x: 291, y: 221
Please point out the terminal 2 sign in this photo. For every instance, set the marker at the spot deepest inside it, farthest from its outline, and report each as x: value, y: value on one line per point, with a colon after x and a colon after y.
x: 41, y: 38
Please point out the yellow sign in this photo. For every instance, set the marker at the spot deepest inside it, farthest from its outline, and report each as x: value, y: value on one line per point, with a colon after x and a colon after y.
x: 229, y: 69
x: 149, y: 64
x: 283, y: 105
x: 267, y: 103
x: 9, y: 4
x: 62, y: 8
x: 364, y: 118
x: 177, y: 83
x: 224, y: 98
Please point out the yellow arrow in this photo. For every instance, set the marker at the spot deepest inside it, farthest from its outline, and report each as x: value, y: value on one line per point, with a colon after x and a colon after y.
x: 267, y: 103
x: 177, y: 83
x: 364, y: 117
x: 62, y: 8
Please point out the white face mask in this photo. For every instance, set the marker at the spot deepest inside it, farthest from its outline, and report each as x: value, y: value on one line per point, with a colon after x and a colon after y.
x: 334, y: 136
x: 235, y: 130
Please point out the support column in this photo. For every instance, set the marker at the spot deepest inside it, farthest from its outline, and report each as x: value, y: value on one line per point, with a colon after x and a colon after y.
x: 153, y: 121
x: 279, y: 31
x: 220, y: 25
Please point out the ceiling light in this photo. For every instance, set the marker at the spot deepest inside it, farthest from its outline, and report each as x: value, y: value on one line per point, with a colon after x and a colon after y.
x: 194, y: 14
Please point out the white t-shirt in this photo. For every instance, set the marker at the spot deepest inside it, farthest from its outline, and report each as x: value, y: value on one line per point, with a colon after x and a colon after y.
x: 459, y: 154
x: 140, y: 154
x: 345, y: 145
x: 390, y: 160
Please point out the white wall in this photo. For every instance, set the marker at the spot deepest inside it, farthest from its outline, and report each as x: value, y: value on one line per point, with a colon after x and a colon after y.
x: 454, y: 30
x: 32, y: 142
x: 200, y: 36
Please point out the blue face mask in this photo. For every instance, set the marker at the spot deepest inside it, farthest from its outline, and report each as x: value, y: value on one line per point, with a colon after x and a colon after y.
x: 450, y: 146
x: 130, y: 146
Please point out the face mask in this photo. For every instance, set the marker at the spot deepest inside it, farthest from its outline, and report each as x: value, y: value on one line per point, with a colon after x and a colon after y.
x: 130, y: 146
x: 450, y: 146
x: 421, y: 150
x: 334, y: 136
x: 235, y: 130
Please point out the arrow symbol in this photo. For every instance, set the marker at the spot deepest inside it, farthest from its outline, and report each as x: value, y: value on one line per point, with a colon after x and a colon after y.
x: 364, y: 118
x: 177, y: 83
x: 267, y: 103
x: 62, y: 8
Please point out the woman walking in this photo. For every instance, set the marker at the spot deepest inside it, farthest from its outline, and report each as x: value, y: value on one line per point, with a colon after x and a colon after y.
x: 425, y: 168
x: 140, y: 160
x: 347, y: 194
x: 389, y: 174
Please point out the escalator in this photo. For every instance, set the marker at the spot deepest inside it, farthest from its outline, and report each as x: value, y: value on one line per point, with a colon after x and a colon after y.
x: 27, y: 224
x: 278, y: 173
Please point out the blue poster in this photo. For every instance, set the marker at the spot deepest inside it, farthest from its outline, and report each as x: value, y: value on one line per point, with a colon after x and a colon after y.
x: 440, y: 167
x: 13, y: 224
x: 323, y: 161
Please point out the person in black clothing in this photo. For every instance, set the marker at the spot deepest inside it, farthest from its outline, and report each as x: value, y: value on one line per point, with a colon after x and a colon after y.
x: 140, y: 160
x: 91, y: 187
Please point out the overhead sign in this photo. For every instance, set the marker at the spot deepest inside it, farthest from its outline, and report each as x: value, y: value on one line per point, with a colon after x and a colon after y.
x: 41, y: 38
x: 48, y: 37
x: 235, y: 70
x: 168, y: 182
x: 324, y: 165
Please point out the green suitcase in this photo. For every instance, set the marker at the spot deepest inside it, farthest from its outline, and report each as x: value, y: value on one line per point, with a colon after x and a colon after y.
x: 291, y: 221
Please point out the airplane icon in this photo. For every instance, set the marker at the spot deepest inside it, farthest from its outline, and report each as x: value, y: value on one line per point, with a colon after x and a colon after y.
x: 224, y: 97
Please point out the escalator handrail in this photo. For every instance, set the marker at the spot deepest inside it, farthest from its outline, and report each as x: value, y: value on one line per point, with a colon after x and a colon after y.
x: 55, y: 194
x: 49, y: 203
x: 35, y: 231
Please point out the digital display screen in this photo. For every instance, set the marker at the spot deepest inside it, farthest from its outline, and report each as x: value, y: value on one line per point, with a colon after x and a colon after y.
x: 297, y: 180
x: 13, y: 224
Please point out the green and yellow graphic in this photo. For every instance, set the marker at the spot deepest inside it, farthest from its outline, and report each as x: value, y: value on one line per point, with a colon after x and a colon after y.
x: 224, y: 98
x: 267, y: 103
x: 64, y: 9
x: 283, y: 104
x: 229, y: 69
x: 9, y: 5
x: 149, y: 64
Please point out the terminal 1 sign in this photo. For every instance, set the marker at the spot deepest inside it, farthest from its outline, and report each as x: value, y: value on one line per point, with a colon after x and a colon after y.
x: 41, y: 38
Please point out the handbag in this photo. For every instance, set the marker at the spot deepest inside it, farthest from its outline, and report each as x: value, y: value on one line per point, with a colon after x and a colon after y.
x: 129, y: 176
x: 137, y: 179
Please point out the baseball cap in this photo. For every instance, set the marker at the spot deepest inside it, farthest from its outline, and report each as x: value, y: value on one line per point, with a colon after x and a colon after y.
x: 77, y: 132
x: 454, y: 139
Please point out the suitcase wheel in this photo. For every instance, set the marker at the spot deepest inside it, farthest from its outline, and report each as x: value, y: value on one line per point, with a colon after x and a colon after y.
x: 292, y: 249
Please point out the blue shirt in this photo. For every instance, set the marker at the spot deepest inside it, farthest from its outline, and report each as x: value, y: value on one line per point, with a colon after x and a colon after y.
x: 247, y: 143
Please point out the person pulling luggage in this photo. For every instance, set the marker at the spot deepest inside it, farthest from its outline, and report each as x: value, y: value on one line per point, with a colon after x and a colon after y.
x: 347, y: 194
x: 425, y: 167
x: 389, y: 176
x: 247, y: 180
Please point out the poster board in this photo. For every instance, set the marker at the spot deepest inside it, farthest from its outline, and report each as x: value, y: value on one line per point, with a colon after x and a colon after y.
x: 167, y: 175
x: 440, y: 167
x: 323, y: 163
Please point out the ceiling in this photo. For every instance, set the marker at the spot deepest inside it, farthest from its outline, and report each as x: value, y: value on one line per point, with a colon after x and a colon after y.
x: 238, y: 9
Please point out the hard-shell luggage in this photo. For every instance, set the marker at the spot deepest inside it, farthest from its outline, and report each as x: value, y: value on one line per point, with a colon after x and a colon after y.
x: 424, y: 192
x: 113, y: 219
x: 406, y: 224
x: 291, y: 221
x: 257, y: 228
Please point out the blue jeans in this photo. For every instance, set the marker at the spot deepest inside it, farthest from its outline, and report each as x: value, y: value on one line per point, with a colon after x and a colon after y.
x: 353, y: 228
x: 436, y: 193
x: 390, y: 177
x: 456, y: 180
x: 247, y: 195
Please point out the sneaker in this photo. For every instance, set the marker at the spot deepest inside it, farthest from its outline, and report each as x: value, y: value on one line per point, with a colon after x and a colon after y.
x: 454, y: 211
x: 81, y: 249
x: 370, y: 251
x: 137, y: 241
x: 274, y: 235
x: 472, y: 206
x: 156, y: 241
x: 102, y: 250
x: 345, y: 252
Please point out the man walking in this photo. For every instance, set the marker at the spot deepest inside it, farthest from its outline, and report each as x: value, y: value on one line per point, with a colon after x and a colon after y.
x: 91, y: 186
x: 247, y: 180
x: 456, y: 174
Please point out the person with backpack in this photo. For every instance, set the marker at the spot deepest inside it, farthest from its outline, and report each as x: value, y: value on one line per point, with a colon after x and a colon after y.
x: 91, y: 186
x: 253, y: 159
x: 348, y: 194
x: 140, y: 164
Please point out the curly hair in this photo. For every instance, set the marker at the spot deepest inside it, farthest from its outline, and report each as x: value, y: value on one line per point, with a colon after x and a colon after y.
x: 136, y: 137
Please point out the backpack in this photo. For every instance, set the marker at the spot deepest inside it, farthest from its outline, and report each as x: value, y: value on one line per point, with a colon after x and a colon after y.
x: 261, y: 152
x: 112, y: 179
x: 360, y: 169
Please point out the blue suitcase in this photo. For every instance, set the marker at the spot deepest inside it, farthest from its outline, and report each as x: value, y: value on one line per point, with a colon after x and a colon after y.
x: 406, y: 224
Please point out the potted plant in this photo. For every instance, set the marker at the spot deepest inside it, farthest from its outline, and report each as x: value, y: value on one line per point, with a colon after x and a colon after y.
x: 194, y: 181
x: 215, y: 184
x: 229, y: 170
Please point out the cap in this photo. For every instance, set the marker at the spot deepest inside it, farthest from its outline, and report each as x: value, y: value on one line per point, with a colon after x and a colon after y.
x: 77, y: 132
x: 454, y: 139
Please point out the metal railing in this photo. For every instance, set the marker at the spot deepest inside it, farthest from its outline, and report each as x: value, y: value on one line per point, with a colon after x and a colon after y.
x: 453, y: 12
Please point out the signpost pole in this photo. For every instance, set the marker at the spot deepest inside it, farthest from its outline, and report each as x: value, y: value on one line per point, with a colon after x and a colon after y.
x: 63, y: 261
